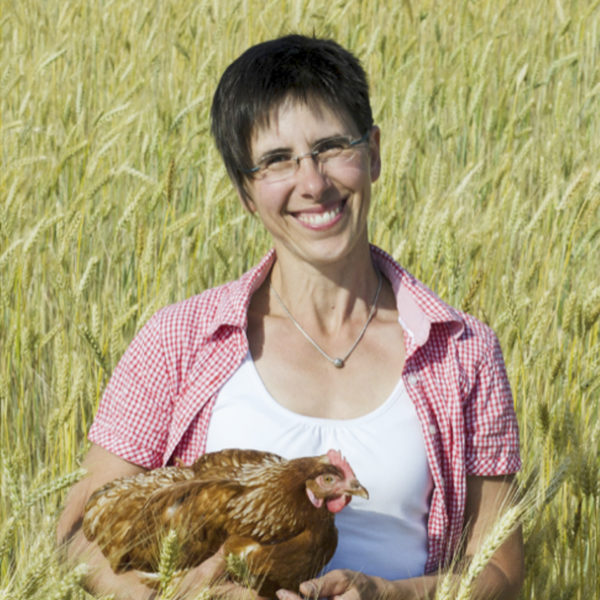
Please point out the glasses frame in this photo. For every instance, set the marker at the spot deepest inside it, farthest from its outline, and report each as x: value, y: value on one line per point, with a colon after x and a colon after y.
x: 314, y: 154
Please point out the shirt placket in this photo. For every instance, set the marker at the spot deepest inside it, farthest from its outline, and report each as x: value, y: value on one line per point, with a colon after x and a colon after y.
x: 437, y: 527
x: 224, y: 357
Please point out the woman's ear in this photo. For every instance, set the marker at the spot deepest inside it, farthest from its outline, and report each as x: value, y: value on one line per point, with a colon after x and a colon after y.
x: 374, y: 153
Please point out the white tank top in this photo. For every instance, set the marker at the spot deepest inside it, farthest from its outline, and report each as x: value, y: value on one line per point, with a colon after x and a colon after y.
x: 384, y: 536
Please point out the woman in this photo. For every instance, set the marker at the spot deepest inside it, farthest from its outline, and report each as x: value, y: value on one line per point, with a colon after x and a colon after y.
x: 326, y: 343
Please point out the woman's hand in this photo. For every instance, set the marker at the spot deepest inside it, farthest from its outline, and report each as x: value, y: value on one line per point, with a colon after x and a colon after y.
x: 343, y: 584
x: 211, y: 576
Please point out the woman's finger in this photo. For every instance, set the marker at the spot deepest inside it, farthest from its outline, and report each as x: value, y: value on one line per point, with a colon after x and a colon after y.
x: 212, y: 568
x: 287, y: 595
x: 334, y: 583
x: 231, y: 591
x: 344, y: 585
x: 205, y: 575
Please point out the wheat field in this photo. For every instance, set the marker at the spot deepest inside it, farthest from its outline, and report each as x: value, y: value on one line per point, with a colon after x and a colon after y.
x: 113, y: 203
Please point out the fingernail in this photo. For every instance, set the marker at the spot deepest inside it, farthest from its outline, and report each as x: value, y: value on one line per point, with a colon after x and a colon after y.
x: 283, y: 594
x: 308, y: 588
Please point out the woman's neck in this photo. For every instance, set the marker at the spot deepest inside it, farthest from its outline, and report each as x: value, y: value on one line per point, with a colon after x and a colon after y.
x: 326, y: 296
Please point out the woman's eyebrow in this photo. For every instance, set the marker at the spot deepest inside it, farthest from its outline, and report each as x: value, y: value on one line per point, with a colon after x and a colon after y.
x: 281, y: 150
x: 330, y: 138
x: 288, y: 150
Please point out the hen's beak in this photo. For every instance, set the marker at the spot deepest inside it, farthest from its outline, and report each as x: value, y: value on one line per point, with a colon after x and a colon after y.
x: 356, y: 489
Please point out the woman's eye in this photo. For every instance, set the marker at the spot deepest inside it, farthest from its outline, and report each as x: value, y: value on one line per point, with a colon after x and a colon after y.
x: 332, y: 146
x: 275, y: 159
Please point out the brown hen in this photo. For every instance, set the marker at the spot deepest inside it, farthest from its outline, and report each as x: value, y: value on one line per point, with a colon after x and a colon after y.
x: 274, y: 515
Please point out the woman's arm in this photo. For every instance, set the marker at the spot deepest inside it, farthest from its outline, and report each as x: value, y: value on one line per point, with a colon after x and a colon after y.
x: 102, y: 466
x: 501, y: 578
x: 487, y: 499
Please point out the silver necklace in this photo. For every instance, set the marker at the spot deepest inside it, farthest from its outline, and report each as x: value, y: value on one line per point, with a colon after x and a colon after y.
x: 340, y: 361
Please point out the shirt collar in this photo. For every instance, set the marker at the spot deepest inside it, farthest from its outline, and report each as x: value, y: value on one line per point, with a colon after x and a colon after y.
x: 418, y: 307
x: 234, y: 300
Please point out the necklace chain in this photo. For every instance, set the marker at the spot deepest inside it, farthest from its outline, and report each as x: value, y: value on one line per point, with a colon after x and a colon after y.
x: 340, y: 361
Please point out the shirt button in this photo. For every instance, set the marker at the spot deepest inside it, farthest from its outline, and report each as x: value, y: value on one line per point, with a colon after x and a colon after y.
x: 432, y: 429
x: 412, y: 379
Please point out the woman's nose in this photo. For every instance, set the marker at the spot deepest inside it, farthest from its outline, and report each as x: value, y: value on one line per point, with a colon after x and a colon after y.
x: 310, y: 176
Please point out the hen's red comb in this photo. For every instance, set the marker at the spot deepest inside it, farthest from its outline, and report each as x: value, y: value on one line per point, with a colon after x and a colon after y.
x: 336, y: 459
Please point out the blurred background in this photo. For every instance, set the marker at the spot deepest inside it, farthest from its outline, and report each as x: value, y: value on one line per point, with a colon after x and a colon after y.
x: 114, y: 202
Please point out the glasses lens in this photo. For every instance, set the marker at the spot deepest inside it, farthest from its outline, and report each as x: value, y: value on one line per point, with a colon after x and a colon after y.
x: 279, y: 170
x: 341, y: 158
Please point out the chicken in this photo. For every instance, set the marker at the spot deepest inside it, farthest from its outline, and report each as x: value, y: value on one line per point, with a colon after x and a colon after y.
x: 274, y: 515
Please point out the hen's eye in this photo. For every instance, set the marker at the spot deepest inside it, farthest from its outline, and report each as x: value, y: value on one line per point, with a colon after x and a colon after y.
x: 328, y: 478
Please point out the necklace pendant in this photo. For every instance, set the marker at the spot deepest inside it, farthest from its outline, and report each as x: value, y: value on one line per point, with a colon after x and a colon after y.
x: 338, y: 363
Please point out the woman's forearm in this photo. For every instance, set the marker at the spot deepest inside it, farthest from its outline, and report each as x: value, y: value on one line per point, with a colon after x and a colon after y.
x: 101, y: 579
x: 101, y: 466
x: 493, y: 584
x: 490, y: 584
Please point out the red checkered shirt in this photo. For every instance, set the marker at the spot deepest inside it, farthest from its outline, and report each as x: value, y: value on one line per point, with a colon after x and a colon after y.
x: 158, y: 403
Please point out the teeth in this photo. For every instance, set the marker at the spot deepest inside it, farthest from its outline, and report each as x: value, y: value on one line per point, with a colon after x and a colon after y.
x: 320, y: 218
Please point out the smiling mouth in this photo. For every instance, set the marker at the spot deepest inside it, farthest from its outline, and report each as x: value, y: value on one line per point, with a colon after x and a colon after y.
x: 323, y: 218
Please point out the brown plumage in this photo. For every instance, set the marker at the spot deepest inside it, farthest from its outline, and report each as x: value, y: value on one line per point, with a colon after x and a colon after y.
x: 276, y: 515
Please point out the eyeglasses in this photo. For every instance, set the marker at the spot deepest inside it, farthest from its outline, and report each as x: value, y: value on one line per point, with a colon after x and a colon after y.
x: 332, y: 152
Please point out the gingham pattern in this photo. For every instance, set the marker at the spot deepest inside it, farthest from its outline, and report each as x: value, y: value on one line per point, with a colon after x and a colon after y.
x: 158, y: 402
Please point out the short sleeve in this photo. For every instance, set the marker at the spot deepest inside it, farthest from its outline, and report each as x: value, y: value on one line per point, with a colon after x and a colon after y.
x: 491, y: 430
x: 135, y: 411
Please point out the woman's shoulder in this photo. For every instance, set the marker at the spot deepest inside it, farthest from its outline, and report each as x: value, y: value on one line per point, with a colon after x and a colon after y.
x: 204, y: 304
x: 198, y: 316
x: 204, y: 313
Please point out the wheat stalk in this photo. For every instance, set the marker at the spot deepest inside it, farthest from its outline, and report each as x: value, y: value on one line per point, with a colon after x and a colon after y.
x: 498, y: 534
x: 167, y: 564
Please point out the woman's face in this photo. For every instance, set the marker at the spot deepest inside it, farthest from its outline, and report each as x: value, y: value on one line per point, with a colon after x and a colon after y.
x: 318, y: 214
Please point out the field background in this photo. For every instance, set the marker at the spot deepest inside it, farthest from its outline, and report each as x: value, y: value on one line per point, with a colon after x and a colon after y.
x: 113, y: 203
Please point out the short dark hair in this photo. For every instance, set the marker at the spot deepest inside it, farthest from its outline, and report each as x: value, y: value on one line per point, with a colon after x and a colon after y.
x: 294, y: 66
